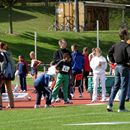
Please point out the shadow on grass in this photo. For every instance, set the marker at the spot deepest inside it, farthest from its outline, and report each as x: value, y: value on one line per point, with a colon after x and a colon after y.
x: 50, y: 10
x: 16, y: 16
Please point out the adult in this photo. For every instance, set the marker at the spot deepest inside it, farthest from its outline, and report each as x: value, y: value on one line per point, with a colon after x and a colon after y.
x: 128, y: 91
x: 7, y: 82
x: 120, y: 54
x: 58, y: 55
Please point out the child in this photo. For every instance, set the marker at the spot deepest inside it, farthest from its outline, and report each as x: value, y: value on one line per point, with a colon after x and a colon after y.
x: 41, y: 85
x: 98, y: 65
x: 34, y: 65
x: 63, y: 68
x: 22, y: 68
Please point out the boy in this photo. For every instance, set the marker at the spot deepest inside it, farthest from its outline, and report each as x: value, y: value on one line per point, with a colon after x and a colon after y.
x: 41, y: 84
x: 22, y: 68
x: 63, y: 67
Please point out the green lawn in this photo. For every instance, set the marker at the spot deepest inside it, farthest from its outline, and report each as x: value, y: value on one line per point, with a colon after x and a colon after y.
x: 29, y: 19
x: 58, y: 118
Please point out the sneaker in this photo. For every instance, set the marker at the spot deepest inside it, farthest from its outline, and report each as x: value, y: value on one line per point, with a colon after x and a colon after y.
x: 52, y: 100
x: 72, y: 95
x: 103, y: 100
x: 36, y: 106
x: 57, y: 100
x: 80, y: 95
x: 93, y: 101
x: 68, y: 102
x: 127, y: 99
x: 48, y: 106
x: 0, y: 107
x: 124, y: 110
x: 24, y: 91
x: 109, y: 108
x: 8, y: 106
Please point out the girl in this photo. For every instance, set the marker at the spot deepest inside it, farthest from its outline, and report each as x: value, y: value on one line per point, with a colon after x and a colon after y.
x: 34, y: 64
x: 98, y: 65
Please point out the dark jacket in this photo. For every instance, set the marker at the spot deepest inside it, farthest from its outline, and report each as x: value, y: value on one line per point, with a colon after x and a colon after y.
x: 120, y: 53
x: 58, y: 55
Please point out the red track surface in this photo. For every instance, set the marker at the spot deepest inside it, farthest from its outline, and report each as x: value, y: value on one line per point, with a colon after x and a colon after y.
x: 86, y: 99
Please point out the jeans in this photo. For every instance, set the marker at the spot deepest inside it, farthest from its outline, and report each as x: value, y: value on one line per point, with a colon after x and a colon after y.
x: 121, y: 82
x: 23, y: 83
x: 128, y: 90
x: 40, y: 91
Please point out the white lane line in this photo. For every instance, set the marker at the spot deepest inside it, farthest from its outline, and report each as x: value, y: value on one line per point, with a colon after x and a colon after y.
x: 92, y: 104
x: 98, y: 123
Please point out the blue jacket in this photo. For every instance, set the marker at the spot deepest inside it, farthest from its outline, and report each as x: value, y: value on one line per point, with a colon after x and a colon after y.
x: 77, y: 61
x: 42, y: 81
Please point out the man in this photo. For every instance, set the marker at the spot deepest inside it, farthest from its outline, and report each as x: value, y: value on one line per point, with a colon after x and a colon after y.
x: 58, y: 56
x: 120, y: 55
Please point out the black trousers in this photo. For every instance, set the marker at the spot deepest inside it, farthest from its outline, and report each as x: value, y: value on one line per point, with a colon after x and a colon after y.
x: 85, y: 76
x: 41, y: 91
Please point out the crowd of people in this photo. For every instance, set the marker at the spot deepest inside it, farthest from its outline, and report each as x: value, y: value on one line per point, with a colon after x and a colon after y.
x: 69, y: 69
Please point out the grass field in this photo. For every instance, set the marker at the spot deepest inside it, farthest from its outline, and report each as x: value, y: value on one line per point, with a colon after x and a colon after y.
x: 62, y: 118
x: 28, y: 19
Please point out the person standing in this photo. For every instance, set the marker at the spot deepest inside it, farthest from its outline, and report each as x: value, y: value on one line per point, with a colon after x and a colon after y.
x: 77, y: 67
x: 22, y: 68
x: 58, y: 56
x: 7, y: 81
x: 120, y: 54
x: 98, y: 65
x: 63, y: 67
x: 86, y: 67
x: 34, y: 64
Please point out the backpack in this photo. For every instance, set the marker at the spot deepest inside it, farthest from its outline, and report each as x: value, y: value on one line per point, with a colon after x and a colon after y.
x: 7, y: 70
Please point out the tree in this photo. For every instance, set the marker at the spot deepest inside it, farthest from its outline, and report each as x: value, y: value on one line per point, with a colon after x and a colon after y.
x: 9, y: 4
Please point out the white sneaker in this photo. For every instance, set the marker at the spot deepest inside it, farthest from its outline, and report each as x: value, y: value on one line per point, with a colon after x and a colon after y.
x: 109, y: 108
x: 57, y: 100
x: 124, y: 110
x: 36, y: 106
x: 72, y: 95
x: 103, y: 100
x: 52, y: 100
x: 93, y: 101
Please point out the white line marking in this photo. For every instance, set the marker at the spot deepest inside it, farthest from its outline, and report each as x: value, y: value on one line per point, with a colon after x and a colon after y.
x: 98, y: 123
x: 95, y: 104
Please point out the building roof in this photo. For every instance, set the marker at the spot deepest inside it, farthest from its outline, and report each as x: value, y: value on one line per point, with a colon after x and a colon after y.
x: 104, y: 4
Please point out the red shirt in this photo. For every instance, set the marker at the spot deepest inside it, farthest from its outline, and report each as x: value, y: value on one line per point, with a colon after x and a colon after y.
x: 86, y: 63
